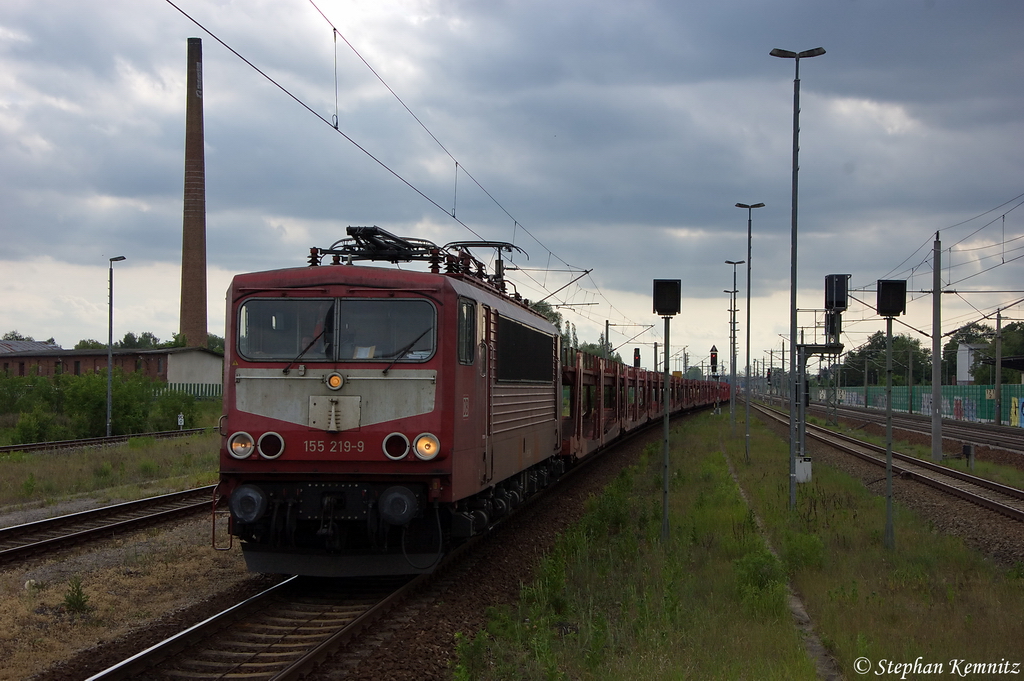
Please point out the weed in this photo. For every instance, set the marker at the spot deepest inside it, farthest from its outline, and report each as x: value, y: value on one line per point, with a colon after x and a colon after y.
x: 148, y: 468
x: 75, y: 599
x: 28, y: 487
x: 759, y: 569
x: 471, y: 652
x: 801, y: 550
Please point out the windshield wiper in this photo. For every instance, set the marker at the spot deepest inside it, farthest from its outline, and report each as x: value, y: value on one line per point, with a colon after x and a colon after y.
x: 407, y: 348
x: 306, y: 349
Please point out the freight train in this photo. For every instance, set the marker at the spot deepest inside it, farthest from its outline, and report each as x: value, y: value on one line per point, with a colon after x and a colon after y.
x: 374, y: 417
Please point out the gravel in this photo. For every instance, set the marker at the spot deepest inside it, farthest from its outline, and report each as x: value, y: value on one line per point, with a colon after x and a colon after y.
x: 418, y: 641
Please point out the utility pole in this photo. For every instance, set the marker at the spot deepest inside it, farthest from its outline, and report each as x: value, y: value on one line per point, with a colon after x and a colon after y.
x: 910, y: 380
x: 999, y: 367
x: 937, y: 349
x: 866, y: 405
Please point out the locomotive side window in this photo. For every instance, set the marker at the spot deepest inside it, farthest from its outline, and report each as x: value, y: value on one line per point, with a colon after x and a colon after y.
x: 285, y: 328
x: 467, y: 331
x: 524, y: 354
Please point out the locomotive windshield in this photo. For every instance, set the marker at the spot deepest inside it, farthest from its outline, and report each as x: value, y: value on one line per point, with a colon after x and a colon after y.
x: 333, y: 330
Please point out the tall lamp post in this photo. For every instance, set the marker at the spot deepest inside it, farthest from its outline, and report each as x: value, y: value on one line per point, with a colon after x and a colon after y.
x: 746, y: 445
x: 794, y: 392
x: 110, y: 335
x: 732, y: 348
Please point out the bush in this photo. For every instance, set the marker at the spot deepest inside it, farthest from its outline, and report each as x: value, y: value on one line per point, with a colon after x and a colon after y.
x: 761, y: 582
x: 86, y: 400
x: 759, y: 569
x: 65, y: 407
x: 166, y: 407
x: 800, y: 550
x: 40, y: 425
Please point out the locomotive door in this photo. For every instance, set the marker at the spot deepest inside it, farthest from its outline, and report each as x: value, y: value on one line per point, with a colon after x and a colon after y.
x: 488, y: 322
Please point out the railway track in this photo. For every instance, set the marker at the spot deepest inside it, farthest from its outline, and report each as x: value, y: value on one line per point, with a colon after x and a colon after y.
x: 96, y: 441
x: 281, y: 633
x: 20, y: 541
x: 983, y: 434
x: 286, y: 631
x: 994, y: 496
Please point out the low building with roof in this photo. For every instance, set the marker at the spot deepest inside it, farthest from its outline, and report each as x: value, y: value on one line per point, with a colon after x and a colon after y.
x: 194, y: 370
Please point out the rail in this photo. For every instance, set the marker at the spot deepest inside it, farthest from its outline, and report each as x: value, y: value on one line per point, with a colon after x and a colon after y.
x: 287, y: 630
x: 989, y: 494
x: 98, y: 441
x: 19, y: 541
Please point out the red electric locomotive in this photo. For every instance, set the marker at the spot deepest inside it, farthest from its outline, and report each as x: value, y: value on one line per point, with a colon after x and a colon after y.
x: 375, y: 416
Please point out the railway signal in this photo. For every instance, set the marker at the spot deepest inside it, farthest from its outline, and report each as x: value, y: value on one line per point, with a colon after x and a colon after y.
x: 891, y: 301
x: 667, y: 295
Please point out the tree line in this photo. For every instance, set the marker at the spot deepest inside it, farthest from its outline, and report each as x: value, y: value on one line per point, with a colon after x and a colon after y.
x: 912, y: 362
x: 567, y: 331
x: 143, y: 341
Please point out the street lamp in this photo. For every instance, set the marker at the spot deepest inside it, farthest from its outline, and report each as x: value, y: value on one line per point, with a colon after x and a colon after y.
x: 110, y: 335
x: 746, y: 449
x: 732, y: 340
x: 794, y: 392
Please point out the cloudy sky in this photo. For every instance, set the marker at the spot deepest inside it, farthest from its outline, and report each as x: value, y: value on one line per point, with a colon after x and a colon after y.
x: 612, y: 135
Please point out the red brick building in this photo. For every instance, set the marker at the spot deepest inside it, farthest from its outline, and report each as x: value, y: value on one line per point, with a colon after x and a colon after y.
x: 168, y: 365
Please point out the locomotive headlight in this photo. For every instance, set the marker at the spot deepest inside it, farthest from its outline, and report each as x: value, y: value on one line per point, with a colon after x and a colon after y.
x: 270, y: 445
x: 240, y: 445
x: 427, y: 446
x: 396, y: 446
x: 334, y: 380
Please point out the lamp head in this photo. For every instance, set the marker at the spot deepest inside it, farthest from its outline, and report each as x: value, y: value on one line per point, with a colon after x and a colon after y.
x: 117, y: 258
x: 787, y: 54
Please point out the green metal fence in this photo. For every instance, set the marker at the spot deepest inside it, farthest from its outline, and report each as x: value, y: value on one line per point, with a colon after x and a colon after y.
x: 200, y: 391
x: 960, y: 402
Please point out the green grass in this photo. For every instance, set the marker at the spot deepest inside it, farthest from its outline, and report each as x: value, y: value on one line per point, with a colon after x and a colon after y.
x: 141, y: 467
x: 929, y: 597
x: 611, y: 601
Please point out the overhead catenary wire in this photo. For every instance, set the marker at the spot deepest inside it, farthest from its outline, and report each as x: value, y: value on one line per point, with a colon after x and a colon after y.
x: 335, y: 125
x: 516, y: 224
x: 434, y: 137
x: 899, y: 269
x: 308, y: 108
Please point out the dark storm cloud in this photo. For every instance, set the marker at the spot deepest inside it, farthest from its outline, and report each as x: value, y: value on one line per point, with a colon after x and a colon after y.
x: 621, y: 134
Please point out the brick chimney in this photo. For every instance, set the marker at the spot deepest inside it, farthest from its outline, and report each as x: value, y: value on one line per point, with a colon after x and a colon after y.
x: 192, y: 320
